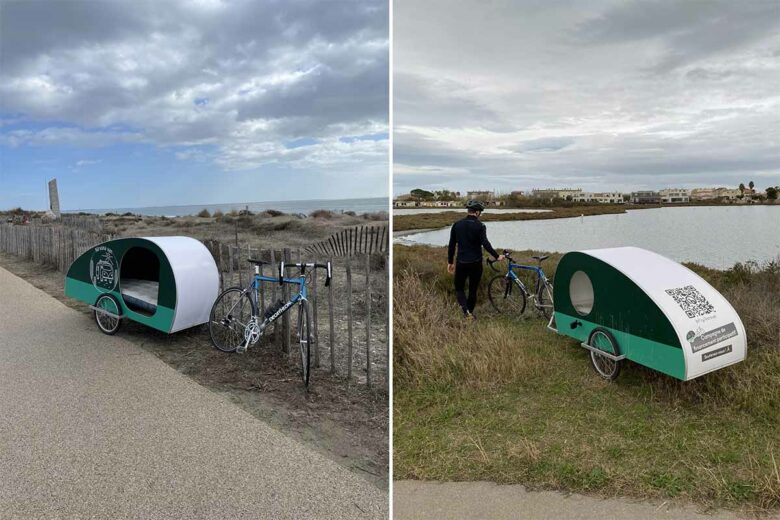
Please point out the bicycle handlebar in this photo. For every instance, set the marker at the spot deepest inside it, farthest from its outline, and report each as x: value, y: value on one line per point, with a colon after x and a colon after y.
x: 506, y: 254
x: 303, y: 266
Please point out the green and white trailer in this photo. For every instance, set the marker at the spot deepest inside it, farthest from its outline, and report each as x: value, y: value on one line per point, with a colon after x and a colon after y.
x: 167, y: 283
x: 629, y: 303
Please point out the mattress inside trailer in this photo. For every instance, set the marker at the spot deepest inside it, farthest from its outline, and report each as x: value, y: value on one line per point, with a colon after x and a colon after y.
x: 140, y: 293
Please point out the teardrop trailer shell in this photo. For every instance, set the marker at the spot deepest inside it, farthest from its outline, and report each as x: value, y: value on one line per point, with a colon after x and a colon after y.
x: 659, y: 313
x: 167, y: 283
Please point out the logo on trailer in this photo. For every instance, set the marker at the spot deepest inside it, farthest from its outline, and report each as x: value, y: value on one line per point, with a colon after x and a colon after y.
x: 104, y: 269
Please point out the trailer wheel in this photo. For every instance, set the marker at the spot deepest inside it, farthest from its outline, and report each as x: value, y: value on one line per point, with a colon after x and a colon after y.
x: 108, y: 324
x: 607, y: 368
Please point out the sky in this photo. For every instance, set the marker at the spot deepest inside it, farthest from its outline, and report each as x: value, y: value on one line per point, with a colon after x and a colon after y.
x: 149, y: 103
x: 602, y: 95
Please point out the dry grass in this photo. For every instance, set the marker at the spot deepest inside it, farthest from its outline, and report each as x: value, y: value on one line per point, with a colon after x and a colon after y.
x: 446, y: 218
x: 504, y: 399
x: 269, y: 229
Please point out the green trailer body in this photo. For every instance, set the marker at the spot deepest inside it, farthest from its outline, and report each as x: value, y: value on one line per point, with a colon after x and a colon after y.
x: 661, y: 314
x: 167, y: 283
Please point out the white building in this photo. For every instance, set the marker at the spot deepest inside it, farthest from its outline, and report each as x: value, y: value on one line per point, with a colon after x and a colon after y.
x: 600, y: 198
x: 704, y: 193
x: 480, y: 195
x: 553, y: 193
x: 675, y: 195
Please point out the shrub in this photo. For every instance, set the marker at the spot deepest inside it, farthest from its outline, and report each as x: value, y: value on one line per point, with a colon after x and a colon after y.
x: 218, y: 214
x: 204, y: 213
x: 377, y: 215
x: 274, y: 213
x: 321, y: 213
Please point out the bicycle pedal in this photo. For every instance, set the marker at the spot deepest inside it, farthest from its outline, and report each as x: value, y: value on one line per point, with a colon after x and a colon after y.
x: 241, y: 349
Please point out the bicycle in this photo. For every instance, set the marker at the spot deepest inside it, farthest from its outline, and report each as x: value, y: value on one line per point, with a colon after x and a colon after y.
x: 508, y: 292
x: 234, y: 323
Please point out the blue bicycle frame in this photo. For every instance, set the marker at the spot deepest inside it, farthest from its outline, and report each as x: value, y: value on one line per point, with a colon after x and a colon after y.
x: 300, y: 281
x: 540, y: 276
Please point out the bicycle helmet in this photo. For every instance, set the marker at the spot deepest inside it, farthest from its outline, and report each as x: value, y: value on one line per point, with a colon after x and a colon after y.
x: 475, y: 205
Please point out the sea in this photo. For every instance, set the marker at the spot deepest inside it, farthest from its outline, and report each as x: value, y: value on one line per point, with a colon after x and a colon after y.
x: 365, y: 205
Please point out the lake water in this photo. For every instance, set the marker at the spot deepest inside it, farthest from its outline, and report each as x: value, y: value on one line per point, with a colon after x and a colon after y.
x: 417, y: 211
x: 715, y: 236
x: 367, y: 205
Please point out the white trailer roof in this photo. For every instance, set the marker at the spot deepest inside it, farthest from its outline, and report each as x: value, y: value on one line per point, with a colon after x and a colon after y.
x: 690, y: 303
x: 197, y: 279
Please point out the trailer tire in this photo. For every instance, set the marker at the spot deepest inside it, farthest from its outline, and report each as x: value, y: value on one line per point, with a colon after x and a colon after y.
x: 606, y: 368
x: 107, y: 324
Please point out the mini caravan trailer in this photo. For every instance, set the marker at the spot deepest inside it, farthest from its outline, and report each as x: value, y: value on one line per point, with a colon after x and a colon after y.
x: 629, y: 303
x: 167, y: 283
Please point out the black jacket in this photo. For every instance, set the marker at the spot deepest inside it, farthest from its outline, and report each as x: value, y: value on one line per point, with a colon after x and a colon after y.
x: 470, y: 236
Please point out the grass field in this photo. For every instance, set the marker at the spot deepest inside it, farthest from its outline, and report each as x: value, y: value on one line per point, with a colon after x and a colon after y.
x: 505, y: 400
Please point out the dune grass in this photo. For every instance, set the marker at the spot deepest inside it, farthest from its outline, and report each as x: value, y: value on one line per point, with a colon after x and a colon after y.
x: 506, y: 400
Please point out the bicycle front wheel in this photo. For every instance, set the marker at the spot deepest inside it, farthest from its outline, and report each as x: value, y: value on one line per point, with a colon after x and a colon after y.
x: 506, y: 296
x: 545, y: 300
x: 304, y: 339
x: 229, y: 317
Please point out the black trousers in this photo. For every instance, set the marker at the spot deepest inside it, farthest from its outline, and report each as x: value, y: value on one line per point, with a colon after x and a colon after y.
x: 471, y: 272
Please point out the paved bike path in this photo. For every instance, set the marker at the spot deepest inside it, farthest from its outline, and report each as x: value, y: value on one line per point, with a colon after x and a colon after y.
x: 94, y: 426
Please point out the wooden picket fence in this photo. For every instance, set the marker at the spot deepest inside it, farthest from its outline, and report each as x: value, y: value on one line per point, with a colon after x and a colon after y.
x: 353, y: 241
x: 57, y: 246
x: 350, y: 322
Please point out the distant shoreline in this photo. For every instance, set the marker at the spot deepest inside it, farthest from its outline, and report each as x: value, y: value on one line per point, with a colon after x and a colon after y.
x: 419, y: 222
x: 358, y: 205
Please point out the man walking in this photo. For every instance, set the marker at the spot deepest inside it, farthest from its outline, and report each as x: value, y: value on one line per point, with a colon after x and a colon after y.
x: 470, y: 236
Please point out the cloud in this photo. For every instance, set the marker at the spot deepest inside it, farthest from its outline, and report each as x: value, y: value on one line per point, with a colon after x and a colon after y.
x: 605, y: 95
x: 87, y: 162
x: 70, y: 136
x: 240, y: 78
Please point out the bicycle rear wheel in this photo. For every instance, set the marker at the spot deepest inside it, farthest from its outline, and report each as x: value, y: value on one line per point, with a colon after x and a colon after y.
x: 506, y: 296
x: 229, y: 317
x: 304, y: 340
x: 544, y: 300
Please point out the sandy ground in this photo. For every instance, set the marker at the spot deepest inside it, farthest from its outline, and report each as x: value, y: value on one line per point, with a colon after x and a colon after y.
x: 347, y: 423
x: 94, y: 426
x: 260, y: 230
x: 415, y: 500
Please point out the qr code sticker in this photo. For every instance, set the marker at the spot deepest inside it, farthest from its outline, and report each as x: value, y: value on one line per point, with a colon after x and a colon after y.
x: 691, y: 301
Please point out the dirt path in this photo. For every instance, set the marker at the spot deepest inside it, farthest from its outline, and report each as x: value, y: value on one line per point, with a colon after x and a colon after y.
x: 415, y: 500
x: 94, y: 426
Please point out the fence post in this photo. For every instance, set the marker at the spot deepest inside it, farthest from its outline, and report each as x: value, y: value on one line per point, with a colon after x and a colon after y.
x: 261, y: 291
x: 230, y: 262
x: 331, y: 336
x: 368, y: 320
x: 349, y: 318
x: 286, y: 316
x: 221, y: 268
x: 315, y: 301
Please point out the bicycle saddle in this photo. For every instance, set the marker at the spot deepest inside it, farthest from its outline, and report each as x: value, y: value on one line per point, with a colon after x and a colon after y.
x: 256, y: 261
x: 541, y: 259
